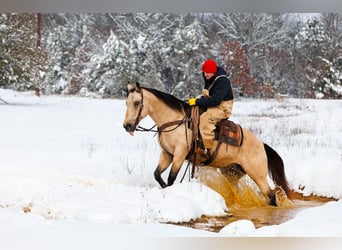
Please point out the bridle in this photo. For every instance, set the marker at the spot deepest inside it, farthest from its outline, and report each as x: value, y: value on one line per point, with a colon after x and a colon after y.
x: 141, y: 106
x: 160, y: 129
x: 137, y: 119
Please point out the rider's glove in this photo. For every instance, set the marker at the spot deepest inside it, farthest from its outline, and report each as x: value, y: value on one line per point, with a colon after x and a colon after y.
x: 205, y: 92
x: 192, y: 101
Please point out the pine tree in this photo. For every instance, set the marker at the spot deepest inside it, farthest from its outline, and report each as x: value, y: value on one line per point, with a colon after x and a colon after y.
x: 322, y: 71
x: 87, y: 47
x: 109, y: 68
x: 190, y: 44
x: 61, y: 52
x: 21, y: 63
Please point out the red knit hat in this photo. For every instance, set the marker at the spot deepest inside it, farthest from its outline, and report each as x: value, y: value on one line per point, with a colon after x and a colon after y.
x: 209, y: 66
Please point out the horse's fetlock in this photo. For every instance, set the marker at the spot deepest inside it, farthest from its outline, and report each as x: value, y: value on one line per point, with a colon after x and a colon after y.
x: 156, y: 174
x: 159, y: 179
x: 171, y: 179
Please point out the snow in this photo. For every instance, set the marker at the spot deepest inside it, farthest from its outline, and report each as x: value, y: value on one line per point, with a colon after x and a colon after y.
x: 68, y: 168
x: 318, y: 222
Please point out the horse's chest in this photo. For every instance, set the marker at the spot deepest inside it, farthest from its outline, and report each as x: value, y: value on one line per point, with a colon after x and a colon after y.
x: 167, y: 144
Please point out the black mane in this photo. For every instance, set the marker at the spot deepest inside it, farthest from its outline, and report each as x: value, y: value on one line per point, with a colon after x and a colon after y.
x: 170, y: 100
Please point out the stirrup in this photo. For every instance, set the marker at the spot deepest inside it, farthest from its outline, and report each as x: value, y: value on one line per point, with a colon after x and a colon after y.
x: 206, y: 154
x: 203, y: 152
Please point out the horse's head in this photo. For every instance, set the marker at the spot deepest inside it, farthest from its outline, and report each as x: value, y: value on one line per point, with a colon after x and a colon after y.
x: 135, y: 111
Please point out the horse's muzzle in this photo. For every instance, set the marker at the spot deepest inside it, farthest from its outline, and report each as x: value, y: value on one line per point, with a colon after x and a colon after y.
x: 129, y: 128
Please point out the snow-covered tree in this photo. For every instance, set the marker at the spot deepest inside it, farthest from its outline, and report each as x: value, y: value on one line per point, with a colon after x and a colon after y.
x: 98, y: 53
x: 87, y: 47
x: 328, y: 81
x: 21, y: 63
x: 261, y: 36
x: 108, y: 68
x: 239, y: 70
x: 61, y: 51
x: 313, y: 40
x: 323, y: 70
x: 62, y: 42
x: 72, y: 40
x: 190, y: 44
x: 164, y: 51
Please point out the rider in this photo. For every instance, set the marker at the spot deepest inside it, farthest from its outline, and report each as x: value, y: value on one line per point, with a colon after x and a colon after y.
x: 217, y: 100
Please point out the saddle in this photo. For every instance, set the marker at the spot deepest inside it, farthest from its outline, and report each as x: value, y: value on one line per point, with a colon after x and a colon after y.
x: 226, y: 132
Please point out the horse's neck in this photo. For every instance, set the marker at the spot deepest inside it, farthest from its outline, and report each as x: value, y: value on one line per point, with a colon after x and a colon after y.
x: 160, y: 113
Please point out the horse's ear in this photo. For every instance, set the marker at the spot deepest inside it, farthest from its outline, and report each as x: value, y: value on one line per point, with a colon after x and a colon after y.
x: 130, y: 87
x: 138, y: 86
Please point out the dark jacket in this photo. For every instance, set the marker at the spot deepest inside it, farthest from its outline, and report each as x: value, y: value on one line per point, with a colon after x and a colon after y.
x: 220, y: 91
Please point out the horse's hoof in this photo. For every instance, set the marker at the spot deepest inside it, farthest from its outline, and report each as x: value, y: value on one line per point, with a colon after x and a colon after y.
x: 273, y: 199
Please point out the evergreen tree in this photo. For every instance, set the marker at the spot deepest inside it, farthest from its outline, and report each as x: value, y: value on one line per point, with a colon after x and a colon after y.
x: 87, y: 47
x: 62, y: 43
x: 98, y: 53
x: 61, y: 52
x: 190, y: 44
x: 323, y: 75
x: 21, y: 63
x: 108, y: 68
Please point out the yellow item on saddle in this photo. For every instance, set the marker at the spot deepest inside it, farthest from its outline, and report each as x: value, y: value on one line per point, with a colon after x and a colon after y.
x: 192, y: 101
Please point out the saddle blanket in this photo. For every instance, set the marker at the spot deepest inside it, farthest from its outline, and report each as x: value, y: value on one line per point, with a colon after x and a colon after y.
x: 229, y: 132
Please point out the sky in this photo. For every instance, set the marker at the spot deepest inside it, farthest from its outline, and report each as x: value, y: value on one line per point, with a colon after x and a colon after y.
x: 69, y: 169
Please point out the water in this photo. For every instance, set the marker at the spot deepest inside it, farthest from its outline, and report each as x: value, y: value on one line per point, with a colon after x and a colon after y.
x: 245, y: 202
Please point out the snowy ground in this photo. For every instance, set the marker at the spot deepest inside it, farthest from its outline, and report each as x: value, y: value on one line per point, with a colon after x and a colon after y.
x: 68, y: 168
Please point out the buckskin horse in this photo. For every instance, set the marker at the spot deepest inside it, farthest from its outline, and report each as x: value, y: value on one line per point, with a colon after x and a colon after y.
x: 255, y: 158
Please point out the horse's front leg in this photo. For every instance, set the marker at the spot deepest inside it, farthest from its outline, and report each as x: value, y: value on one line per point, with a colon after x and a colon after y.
x: 178, y: 159
x: 165, y: 160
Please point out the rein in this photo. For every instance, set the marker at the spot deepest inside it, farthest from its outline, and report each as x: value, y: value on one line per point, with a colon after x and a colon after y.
x: 173, y: 123
x: 162, y: 128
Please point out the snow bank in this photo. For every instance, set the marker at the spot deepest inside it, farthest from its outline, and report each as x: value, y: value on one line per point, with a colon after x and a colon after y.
x: 68, y: 167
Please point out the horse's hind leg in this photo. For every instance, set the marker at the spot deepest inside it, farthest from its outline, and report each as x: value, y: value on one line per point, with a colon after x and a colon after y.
x: 262, y: 183
x: 258, y: 172
x: 165, y: 160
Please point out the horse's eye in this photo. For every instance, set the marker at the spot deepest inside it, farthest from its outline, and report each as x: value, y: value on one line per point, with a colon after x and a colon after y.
x: 136, y: 103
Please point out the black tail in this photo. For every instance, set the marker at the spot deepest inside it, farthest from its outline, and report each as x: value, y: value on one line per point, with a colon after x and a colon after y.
x: 276, y: 169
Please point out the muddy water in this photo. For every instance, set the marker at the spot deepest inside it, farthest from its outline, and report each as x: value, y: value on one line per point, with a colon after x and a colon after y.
x: 245, y: 202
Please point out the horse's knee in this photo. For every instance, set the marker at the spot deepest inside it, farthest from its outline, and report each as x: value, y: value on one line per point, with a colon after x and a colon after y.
x: 272, y: 199
x: 158, y: 178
